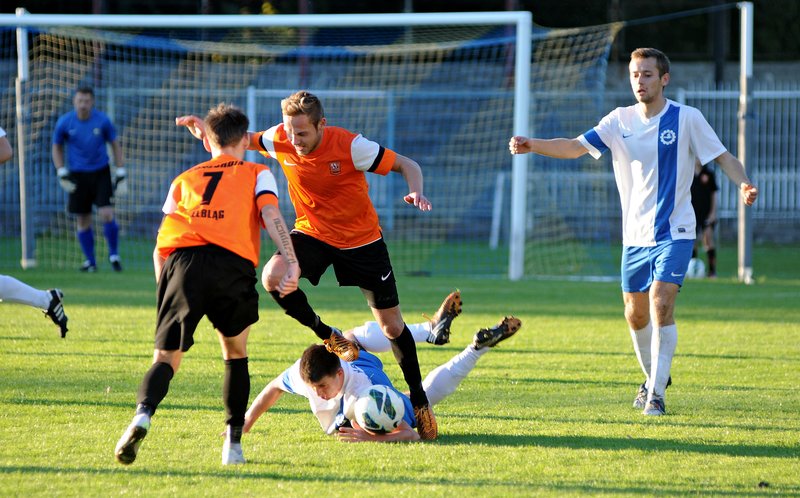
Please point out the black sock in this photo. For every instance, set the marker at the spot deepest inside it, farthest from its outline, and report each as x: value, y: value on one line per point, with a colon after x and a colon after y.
x: 236, y: 391
x: 712, y: 261
x: 296, y: 306
x: 154, y: 387
x: 235, y: 434
x: 694, y: 253
x: 405, y: 352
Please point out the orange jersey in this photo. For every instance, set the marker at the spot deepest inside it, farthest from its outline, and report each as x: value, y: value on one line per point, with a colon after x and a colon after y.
x: 328, y: 188
x: 217, y: 202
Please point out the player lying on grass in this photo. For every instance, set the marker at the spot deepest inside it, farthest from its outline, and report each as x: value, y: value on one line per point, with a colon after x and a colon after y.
x: 332, y: 385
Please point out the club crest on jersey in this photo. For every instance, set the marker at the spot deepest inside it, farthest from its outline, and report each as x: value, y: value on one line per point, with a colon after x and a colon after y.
x: 668, y: 137
x: 335, y: 168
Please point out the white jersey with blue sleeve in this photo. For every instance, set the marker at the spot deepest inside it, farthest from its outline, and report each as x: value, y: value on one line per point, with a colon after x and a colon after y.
x: 329, y: 412
x: 653, y: 162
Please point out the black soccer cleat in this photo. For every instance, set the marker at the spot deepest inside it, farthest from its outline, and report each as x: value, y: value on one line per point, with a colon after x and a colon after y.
x: 116, y: 265
x: 55, y: 311
x: 443, y: 318
x: 641, y: 396
x: 507, y: 327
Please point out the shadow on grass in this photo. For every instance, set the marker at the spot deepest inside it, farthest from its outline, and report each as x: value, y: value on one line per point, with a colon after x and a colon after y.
x: 339, y: 485
x: 164, y: 407
x: 621, y: 443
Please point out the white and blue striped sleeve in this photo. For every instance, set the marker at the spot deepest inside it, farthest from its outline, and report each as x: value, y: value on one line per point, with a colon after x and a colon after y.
x: 598, y: 139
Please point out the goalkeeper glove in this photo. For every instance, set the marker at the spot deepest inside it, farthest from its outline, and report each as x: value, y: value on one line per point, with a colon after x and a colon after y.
x: 66, y: 180
x: 120, y: 182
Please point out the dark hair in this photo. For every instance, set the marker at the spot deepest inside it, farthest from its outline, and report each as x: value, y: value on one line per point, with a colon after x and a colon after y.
x: 317, y: 362
x: 85, y: 89
x: 226, y: 124
x: 662, y: 61
x: 303, y: 102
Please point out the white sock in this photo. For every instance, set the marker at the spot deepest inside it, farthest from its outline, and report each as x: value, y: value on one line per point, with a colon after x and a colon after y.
x: 14, y: 291
x: 371, y: 337
x: 665, y: 339
x: 444, y: 379
x: 641, y: 345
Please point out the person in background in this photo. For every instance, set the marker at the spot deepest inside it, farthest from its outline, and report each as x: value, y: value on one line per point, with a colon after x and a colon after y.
x: 86, y: 176
x: 704, y: 202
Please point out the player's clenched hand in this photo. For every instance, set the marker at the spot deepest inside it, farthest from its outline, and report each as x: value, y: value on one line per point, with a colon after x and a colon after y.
x: 419, y: 201
x: 288, y: 283
x: 518, y: 145
x: 749, y: 193
x: 195, y: 124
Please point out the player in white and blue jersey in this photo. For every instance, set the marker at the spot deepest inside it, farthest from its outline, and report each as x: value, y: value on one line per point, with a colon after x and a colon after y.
x: 654, y: 145
x: 332, y: 385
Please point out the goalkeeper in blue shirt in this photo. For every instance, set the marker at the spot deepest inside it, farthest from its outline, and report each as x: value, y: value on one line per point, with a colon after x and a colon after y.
x: 87, y: 177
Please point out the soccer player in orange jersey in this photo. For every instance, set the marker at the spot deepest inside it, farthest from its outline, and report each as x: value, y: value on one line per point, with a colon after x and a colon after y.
x: 205, y: 258
x: 337, y: 225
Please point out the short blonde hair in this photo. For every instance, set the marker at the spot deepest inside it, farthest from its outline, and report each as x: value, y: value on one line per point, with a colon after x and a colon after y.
x: 305, y: 103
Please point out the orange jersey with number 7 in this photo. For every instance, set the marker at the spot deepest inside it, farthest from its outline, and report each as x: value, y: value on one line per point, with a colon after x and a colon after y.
x: 328, y: 188
x: 217, y: 202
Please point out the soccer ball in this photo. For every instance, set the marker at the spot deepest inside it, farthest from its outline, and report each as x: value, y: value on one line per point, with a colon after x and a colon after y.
x: 379, y: 409
x: 697, y: 269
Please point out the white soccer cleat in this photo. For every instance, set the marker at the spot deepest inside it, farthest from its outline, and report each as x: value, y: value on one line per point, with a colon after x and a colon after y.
x: 232, y: 453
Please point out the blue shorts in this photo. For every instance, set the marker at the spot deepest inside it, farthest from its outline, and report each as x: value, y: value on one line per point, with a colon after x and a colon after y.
x: 666, y: 262
x: 372, y: 366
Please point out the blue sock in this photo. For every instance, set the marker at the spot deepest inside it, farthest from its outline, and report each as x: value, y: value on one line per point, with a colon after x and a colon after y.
x: 111, y: 231
x: 86, y: 240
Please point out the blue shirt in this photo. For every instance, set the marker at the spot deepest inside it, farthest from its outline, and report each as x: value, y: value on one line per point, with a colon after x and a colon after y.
x: 85, y: 139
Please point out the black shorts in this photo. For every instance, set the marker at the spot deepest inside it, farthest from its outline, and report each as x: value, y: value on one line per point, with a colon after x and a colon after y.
x: 367, y: 267
x: 204, y: 280
x: 91, y: 187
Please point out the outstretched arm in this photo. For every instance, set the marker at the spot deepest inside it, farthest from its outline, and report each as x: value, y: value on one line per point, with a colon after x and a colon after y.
x: 356, y: 434
x: 413, y: 175
x: 263, y: 402
x: 561, y: 148
x: 735, y: 171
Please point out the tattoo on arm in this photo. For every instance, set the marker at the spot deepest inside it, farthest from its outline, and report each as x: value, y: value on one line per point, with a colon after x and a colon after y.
x: 285, y: 240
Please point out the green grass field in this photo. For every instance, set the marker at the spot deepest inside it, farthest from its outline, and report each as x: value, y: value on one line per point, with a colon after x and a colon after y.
x: 545, y: 413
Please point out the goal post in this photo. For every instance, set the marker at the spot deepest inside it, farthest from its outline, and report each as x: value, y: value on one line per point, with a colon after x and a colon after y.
x: 60, y: 25
x: 447, y: 90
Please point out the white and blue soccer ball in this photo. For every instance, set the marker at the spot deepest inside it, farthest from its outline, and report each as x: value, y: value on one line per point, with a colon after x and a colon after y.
x: 697, y: 269
x: 379, y: 409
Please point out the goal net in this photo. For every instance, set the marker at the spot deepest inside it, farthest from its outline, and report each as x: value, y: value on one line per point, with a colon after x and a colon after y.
x: 440, y: 94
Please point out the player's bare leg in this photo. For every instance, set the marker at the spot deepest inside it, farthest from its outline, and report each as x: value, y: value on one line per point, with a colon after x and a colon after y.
x: 664, y: 341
